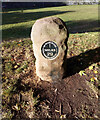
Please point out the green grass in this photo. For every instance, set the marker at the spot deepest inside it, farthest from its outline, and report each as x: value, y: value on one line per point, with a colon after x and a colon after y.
x: 80, y: 18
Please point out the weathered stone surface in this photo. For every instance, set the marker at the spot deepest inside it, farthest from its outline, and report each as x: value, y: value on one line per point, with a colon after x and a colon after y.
x: 54, y: 30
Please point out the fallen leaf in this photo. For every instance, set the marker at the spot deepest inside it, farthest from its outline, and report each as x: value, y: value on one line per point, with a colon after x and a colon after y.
x: 16, y: 107
x: 63, y: 116
x: 20, y: 40
x: 95, y: 71
x: 2, y: 48
x: 95, y: 78
x: 82, y: 72
x: 90, y: 67
x: 15, y: 66
x: 12, y: 59
x: 5, y: 77
x: 57, y: 111
x: 92, y: 79
x: 72, y: 54
x: 18, y: 63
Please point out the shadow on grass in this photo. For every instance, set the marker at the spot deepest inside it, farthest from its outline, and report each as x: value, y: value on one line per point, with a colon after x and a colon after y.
x: 23, y: 31
x: 75, y: 64
x: 82, y: 26
x: 12, y: 6
x: 18, y: 17
x: 16, y: 32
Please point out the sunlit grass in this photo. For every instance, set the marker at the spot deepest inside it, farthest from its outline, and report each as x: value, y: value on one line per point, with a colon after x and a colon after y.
x: 17, y: 24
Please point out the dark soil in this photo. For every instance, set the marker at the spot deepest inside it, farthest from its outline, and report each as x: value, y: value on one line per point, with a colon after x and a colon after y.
x: 73, y: 97
x: 70, y: 98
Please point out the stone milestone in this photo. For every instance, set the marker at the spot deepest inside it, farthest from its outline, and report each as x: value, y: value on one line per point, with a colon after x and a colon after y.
x: 49, y: 36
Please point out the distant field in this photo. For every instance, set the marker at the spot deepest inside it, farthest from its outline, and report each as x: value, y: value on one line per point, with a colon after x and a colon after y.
x: 78, y: 18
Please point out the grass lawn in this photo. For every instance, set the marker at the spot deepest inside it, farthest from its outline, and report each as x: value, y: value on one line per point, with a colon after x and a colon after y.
x: 17, y: 24
x: 18, y: 76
